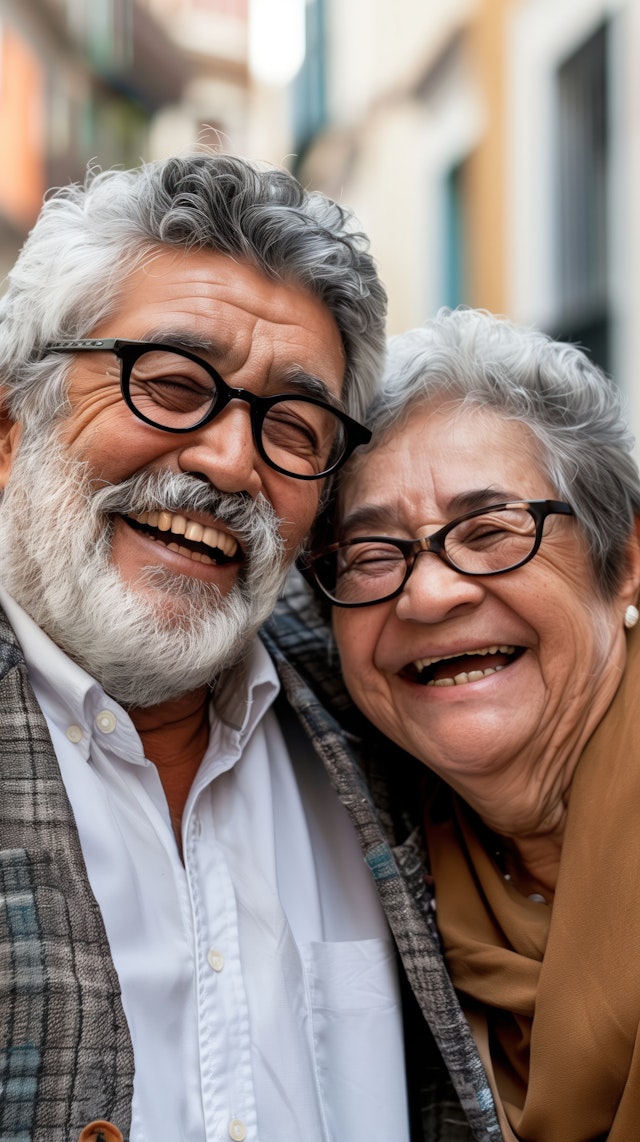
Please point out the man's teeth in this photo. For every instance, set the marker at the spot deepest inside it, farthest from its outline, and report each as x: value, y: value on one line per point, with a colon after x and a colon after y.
x: 196, y: 532
x: 464, y: 676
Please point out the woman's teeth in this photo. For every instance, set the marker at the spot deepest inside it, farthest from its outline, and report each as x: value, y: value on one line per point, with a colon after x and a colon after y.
x: 463, y: 676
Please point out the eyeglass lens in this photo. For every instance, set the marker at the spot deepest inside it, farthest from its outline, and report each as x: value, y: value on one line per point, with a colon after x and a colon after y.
x: 371, y: 570
x: 176, y: 392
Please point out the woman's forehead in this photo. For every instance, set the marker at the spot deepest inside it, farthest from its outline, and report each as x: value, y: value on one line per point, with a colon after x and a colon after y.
x: 443, y: 452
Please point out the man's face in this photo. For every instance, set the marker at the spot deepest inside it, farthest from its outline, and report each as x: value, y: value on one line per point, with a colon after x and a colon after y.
x: 259, y: 336
x: 260, y: 333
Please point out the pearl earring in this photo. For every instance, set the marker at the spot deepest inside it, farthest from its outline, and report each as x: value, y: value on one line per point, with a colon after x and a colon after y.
x: 631, y: 616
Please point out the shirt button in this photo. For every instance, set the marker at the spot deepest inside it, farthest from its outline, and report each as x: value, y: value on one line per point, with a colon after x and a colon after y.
x: 216, y: 961
x: 237, y: 1130
x: 74, y: 733
x: 100, y: 1131
x: 106, y: 721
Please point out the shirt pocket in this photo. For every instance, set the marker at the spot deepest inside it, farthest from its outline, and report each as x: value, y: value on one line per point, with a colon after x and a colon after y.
x: 356, y: 1030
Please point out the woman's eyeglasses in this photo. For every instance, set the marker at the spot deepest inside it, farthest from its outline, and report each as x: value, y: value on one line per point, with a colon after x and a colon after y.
x: 489, y: 541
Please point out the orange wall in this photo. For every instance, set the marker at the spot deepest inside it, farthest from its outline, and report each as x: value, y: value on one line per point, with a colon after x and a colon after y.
x: 485, y: 170
x: 22, y: 174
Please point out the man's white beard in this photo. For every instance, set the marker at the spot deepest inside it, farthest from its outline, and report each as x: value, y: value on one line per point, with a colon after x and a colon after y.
x: 148, y: 646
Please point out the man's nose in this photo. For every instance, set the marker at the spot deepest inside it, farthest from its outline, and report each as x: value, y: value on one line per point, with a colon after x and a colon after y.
x: 225, y: 452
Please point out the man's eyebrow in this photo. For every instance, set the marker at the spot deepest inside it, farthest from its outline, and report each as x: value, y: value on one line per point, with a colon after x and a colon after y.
x: 310, y: 385
x: 293, y: 375
x: 181, y: 339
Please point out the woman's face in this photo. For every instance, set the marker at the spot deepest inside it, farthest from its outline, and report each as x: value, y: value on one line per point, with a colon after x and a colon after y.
x: 519, y: 729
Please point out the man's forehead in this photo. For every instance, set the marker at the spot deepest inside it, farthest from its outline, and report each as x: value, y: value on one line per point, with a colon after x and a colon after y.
x: 228, y: 309
x: 200, y: 277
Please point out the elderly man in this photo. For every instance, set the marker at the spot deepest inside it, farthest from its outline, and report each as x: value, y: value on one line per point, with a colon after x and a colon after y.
x: 191, y: 946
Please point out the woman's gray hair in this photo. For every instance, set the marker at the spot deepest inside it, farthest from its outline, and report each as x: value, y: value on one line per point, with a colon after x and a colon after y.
x: 575, y: 412
x: 89, y: 238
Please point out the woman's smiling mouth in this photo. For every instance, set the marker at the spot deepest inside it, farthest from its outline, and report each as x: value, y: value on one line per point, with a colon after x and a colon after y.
x: 459, y: 669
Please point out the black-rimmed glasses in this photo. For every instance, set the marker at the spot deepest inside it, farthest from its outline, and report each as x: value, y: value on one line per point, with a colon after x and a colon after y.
x: 175, y: 390
x: 489, y: 541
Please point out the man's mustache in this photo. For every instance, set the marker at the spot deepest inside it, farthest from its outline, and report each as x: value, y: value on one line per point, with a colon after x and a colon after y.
x: 180, y: 493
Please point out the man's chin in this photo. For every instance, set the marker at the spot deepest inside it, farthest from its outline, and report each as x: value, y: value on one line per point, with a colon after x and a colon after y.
x: 174, y: 607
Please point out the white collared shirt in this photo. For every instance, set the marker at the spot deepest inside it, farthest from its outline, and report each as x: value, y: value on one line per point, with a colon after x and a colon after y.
x: 258, y: 978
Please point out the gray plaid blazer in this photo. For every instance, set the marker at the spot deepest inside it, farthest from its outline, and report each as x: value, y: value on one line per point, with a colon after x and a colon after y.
x: 65, y: 1052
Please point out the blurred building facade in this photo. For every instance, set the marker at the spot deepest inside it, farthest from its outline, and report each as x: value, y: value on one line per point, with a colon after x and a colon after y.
x: 223, y: 102
x: 117, y: 81
x: 491, y: 150
x: 79, y: 82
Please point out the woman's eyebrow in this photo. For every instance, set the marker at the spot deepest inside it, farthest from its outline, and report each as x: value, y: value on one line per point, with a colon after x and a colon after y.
x: 474, y: 498
x: 375, y: 518
x: 368, y: 518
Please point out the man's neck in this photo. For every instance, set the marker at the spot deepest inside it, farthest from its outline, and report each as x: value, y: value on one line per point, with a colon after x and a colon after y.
x: 175, y: 736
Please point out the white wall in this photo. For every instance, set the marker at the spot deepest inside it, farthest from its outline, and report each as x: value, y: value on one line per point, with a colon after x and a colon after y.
x: 541, y: 34
x: 388, y: 151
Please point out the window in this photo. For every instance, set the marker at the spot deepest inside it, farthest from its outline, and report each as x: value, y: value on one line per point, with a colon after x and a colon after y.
x: 308, y: 91
x: 582, y: 201
x: 455, y: 277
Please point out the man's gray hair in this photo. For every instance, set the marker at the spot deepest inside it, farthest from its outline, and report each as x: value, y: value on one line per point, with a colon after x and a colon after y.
x: 89, y: 238
x: 575, y: 412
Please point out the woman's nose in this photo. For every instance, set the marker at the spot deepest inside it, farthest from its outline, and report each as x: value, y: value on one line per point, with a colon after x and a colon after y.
x: 434, y: 589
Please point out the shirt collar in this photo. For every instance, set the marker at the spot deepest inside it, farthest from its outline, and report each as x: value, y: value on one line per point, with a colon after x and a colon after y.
x: 244, y: 693
x: 68, y: 695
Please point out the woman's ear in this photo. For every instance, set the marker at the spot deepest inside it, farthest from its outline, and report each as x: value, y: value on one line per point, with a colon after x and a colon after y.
x: 630, y: 586
x: 10, y: 433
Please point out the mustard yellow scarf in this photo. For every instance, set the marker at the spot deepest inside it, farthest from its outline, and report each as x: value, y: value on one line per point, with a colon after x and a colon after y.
x: 557, y: 989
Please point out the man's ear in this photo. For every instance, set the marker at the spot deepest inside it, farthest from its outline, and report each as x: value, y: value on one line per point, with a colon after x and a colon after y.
x: 10, y: 433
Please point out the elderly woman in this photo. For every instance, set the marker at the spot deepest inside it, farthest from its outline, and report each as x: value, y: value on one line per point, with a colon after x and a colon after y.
x: 484, y: 577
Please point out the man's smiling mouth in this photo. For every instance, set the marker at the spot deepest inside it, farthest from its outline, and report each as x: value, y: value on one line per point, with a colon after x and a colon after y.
x: 188, y: 538
x: 459, y: 669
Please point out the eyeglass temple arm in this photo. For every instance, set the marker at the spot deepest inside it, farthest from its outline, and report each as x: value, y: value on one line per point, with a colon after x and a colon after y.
x: 87, y: 343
